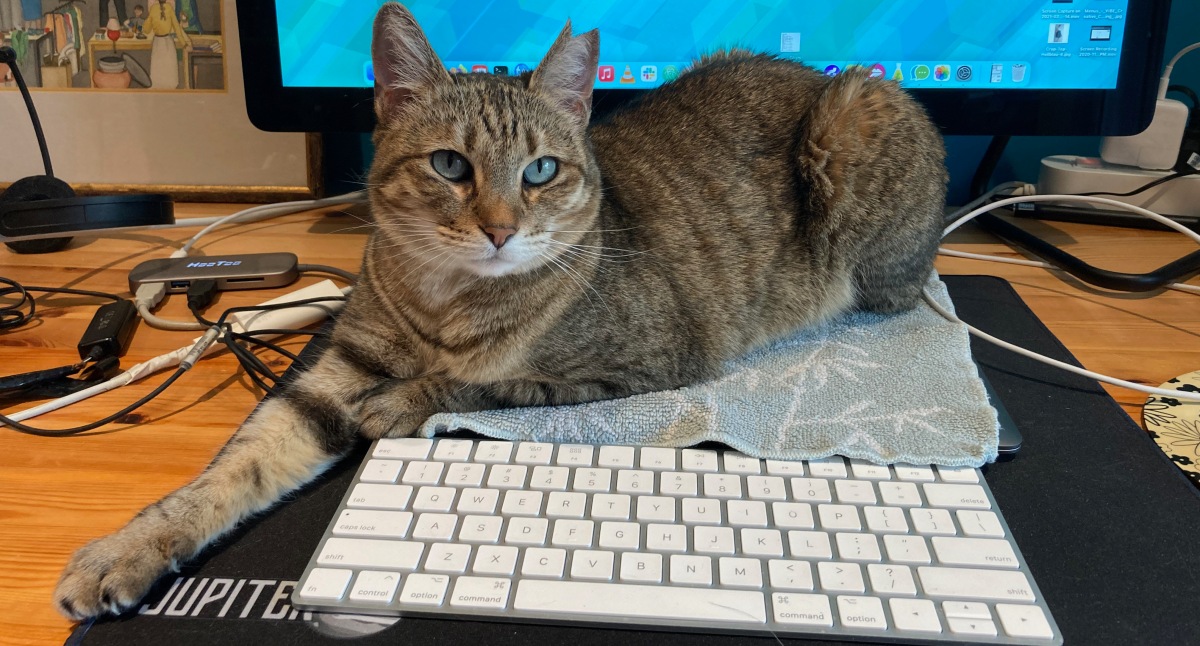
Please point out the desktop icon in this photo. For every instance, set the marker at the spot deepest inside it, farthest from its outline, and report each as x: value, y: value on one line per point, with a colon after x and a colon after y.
x: 997, y: 73
x: 832, y: 70
x: 920, y: 72
x: 963, y: 73
x: 458, y: 69
x: 369, y: 72
x: 627, y: 75
x: 1018, y: 72
x: 520, y: 69
x: 479, y: 69
x: 941, y: 73
x: 500, y: 70
x: 1101, y: 32
x: 877, y: 71
x: 898, y: 75
x: 1059, y: 32
x: 649, y: 73
x: 670, y: 73
x: 789, y: 42
x: 606, y: 73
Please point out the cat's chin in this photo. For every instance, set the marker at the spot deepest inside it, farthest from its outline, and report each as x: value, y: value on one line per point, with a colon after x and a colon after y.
x: 495, y: 267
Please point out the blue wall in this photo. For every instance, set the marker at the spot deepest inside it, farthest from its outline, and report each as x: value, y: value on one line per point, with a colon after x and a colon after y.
x: 1021, y: 158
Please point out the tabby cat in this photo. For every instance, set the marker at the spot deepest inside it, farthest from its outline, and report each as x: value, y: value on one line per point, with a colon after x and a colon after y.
x: 520, y: 257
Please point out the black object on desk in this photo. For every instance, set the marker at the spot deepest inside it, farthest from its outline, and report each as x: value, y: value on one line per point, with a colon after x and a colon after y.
x: 1104, y: 519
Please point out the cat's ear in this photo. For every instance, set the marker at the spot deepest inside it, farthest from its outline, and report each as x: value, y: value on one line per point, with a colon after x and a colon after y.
x: 568, y: 71
x: 403, y: 60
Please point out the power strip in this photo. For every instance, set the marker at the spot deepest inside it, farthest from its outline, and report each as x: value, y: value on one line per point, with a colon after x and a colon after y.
x: 1072, y: 175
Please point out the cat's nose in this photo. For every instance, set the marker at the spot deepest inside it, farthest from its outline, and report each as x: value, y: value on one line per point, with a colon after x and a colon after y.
x: 499, y: 235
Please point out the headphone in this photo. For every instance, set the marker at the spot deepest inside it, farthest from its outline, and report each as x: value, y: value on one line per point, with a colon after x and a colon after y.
x: 38, y: 208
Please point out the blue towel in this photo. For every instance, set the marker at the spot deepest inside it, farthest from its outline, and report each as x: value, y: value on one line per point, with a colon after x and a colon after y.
x: 884, y: 388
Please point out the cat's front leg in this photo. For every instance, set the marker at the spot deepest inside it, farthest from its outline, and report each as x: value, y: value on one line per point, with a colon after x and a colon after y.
x: 287, y: 442
x: 397, y: 408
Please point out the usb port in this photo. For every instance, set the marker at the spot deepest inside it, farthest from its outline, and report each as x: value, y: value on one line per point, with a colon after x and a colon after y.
x: 180, y: 284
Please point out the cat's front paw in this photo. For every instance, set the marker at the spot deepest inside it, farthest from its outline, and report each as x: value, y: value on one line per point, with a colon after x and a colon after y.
x: 387, y: 416
x: 110, y: 574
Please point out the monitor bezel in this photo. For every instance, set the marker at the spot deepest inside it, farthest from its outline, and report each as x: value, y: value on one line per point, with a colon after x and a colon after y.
x: 1127, y: 109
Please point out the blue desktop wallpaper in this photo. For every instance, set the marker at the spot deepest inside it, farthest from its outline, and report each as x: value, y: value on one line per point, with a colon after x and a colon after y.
x: 953, y: 44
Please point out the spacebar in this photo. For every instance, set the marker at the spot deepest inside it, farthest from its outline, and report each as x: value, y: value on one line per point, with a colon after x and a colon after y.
x: 620, y: 600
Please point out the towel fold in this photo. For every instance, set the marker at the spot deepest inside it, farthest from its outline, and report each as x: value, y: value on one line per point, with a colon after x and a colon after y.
x: 883, y: 388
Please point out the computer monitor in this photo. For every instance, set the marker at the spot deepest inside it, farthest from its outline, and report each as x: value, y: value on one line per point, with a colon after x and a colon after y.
x: 1007, y: 67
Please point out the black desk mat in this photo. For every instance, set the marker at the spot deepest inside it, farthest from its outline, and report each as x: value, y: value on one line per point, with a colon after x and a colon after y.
x: 1109, y: 527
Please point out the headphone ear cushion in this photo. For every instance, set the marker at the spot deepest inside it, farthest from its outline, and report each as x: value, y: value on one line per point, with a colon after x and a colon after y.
x: 30, y: 189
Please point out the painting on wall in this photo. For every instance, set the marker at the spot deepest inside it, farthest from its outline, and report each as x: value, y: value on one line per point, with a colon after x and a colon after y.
x: 138, y: 45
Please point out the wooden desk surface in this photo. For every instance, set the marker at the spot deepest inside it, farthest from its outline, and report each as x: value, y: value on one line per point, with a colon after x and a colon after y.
x: 58, y: 493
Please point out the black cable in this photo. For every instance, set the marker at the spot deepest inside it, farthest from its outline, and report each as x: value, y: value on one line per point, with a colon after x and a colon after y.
x: 1188, y: 92
x: 14, y: 315
x: 43, y: 432
x: 327, y: 269
x: 9, y: 55
x: 1145, y: 187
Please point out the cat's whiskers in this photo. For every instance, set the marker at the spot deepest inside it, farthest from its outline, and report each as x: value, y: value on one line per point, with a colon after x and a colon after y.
x: 580, y: 279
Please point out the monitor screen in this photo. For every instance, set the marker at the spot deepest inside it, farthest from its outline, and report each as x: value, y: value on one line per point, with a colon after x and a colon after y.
x: 948, y: 44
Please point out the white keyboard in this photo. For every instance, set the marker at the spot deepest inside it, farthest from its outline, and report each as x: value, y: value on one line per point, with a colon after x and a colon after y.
x: 675, y: 539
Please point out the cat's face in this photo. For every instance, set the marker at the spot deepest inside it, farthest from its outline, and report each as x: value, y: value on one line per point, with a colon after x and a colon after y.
x: 476, y: 173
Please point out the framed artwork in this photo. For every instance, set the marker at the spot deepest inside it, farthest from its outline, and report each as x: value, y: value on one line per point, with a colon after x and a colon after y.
x: 143, y: 96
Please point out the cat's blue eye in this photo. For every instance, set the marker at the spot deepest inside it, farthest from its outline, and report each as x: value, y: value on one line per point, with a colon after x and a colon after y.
x: 542, y: 170
x: 450, y: 165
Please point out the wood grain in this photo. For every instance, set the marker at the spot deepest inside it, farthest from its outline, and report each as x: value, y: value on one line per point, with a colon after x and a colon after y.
x: 58, y: 493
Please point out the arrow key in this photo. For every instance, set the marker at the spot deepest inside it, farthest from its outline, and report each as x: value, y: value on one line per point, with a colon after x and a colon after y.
x: 375, y: 586
x: 971, y: 626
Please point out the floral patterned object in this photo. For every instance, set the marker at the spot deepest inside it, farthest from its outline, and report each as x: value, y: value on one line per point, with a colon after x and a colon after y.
x: 1175, y: 425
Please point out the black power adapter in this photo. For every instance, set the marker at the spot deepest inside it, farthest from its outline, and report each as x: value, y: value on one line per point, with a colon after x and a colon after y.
x: 108, y: 333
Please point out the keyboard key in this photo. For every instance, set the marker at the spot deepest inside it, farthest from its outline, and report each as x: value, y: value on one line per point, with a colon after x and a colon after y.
x: 592, y: 565
x: 841, y: 577
x: 712, y: 540
x: 478, y: 501
x: 679, y: 484
x: 839, y: 517
x: 544, y: 562
x: 549, y: 478
x: 906, y: 549
x: 642, y: 567
x: 480, y: 528
x: 656, y: 508
x: 622, y: 601
x: 986, y: 552
x: 573, y: 533
x: 480, y: 592
x: 627, y: 536
x: 424, y: 589
x: 522, y: 503
x: 956, y: 495
x: 381, y: 471
x: 803, y: 609
x: 609, y: 506
x: 811, y: 490
x: 698, y: 510
x: 423, y: 473
x: 932, y: 521
x: 885, y: 519
x: 448, y: 557
x: 452, y: 450
x: 790, y: 575
x: 495, y: 559
x: 374, y: 586
x: 917, y: 615
x: 900, y: 494
x: 464, y: 475
x: 592, y: 480
x: 980, y: 524
x: 747, y: 513
x: 434, y: 499
x: 1024, y: 621
x: 435, y: 527
x: 696, y: 570
x: 831, y: 467
x: 629, y: 481
x: 575, y: 455
x: 666, y: 538
x: 966, y: 610
x: 507, y: 476
x: 659, y: 459
x: 367, y: 553
x: 809, y: 545
x: 855, y: 491
x: 720, y: 485
x: 1001, y: 585
x: 380, y: 496
x: 762, y: 542
x: 739, y: 572
x: 966, y: 475
x: 325, y: 583
x: 373, y: 524
x: 616, y: 457
x: 867, y: 471
x: 494, y: 452
x: 405, y: 448
x: 564, y: 504
x: 766, y: 487
x: 914, y: 473
x: 738, y: 463
x: 698, y: 460
x: 857, y: 547
x: 534, y: 453
x: 971, y: 626
x: 527, y: 531
x: 861, y: 612
x: 891, y: 579
x: 785, y: 467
